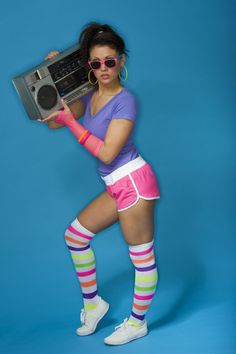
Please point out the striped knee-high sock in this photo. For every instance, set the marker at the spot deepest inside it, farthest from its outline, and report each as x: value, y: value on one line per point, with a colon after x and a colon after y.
x: 146, y: 276
x: 77, y: 239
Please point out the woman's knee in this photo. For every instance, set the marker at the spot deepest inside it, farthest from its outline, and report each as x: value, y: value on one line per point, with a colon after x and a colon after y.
x: 77, y: 236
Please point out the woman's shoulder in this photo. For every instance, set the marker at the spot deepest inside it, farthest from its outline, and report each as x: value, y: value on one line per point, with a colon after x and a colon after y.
x: 127, y: 92
x: 127, y: 95
x: 125, y: 105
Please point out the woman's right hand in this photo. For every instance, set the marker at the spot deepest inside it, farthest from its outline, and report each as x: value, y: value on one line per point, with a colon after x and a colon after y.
x: 51, y: 55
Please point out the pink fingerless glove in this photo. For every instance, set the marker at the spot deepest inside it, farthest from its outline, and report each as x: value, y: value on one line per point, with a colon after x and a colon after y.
x: 64, y: 118
x: 69, y: 120
x: 85, y: 138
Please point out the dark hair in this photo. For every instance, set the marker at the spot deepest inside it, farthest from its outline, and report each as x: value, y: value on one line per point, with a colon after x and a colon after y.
x: 97, y: 34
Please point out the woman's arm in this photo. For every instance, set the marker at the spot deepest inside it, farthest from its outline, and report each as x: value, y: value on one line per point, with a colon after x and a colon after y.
x: 116, y: 137
x: 117, y: 134
x: 77, y: 108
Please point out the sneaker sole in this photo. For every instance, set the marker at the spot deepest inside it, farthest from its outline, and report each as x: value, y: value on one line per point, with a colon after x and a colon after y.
x: 127, y: 340
x: 96, y: 323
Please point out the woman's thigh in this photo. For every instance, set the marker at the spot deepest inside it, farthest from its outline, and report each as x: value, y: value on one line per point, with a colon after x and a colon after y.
x: 137, y: 222
x: 99, y: 214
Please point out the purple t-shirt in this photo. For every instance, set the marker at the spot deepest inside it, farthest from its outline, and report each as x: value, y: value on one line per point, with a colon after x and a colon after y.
x: 122, y: 105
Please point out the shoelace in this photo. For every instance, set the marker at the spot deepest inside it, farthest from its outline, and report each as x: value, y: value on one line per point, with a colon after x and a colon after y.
x: 124, y: 324
x: 82, y: 316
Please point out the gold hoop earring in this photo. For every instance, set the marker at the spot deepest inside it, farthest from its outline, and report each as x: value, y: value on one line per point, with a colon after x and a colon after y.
x: 89, y: 78
x: 125, y: 75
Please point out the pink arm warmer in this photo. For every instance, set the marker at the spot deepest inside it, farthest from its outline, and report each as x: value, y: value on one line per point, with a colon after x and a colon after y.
x: 85, y: 138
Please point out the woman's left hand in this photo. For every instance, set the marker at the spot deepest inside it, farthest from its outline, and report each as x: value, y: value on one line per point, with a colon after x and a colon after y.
x: 64, y: 116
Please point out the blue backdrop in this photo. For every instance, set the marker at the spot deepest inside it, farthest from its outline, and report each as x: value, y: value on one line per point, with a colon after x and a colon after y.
x: 182, y: 71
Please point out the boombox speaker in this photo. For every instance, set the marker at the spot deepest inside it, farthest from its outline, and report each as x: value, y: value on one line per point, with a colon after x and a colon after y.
x: 42, y: 87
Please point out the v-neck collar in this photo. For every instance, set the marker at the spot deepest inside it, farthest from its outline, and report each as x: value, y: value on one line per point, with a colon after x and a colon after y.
x: 92, y: 116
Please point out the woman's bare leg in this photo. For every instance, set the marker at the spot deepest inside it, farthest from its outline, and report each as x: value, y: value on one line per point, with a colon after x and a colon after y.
x: 99, y: 214
x: 137, y: 222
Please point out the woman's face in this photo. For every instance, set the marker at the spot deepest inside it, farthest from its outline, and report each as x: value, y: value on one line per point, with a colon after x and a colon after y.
x: 104, y: 74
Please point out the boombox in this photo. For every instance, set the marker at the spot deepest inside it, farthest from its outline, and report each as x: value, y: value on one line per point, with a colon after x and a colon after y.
x: 42, y: 87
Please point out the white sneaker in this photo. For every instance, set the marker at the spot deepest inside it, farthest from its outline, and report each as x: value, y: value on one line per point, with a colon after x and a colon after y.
x: 125, y: 333
x: 90, y: 319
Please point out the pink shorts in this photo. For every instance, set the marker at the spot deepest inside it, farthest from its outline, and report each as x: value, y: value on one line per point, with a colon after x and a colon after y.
x: 130, y: 182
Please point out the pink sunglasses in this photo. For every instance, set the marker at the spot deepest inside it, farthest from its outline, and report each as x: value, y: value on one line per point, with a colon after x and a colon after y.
x: 109, y: 62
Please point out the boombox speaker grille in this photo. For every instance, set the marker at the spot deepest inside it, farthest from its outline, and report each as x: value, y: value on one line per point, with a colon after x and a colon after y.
x: 47, y: 97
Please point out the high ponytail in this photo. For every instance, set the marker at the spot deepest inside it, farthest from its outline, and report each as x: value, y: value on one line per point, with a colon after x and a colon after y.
x: 97, y: 34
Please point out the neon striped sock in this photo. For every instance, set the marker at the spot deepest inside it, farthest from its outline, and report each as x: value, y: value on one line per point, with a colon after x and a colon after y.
x: 146, y: 276
x: 77, y: 238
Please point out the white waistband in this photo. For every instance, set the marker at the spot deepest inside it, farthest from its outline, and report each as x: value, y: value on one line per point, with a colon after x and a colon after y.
x: 124, y: 170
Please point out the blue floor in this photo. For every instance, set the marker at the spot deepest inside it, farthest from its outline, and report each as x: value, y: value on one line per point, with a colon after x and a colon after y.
x: 200, y: 332
x: 182, y: 325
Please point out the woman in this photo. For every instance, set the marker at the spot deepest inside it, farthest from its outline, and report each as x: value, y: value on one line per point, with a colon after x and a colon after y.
x: 131, y: 188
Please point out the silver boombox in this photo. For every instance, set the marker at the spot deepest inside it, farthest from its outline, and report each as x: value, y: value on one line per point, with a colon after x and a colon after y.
x: 42, y: 87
